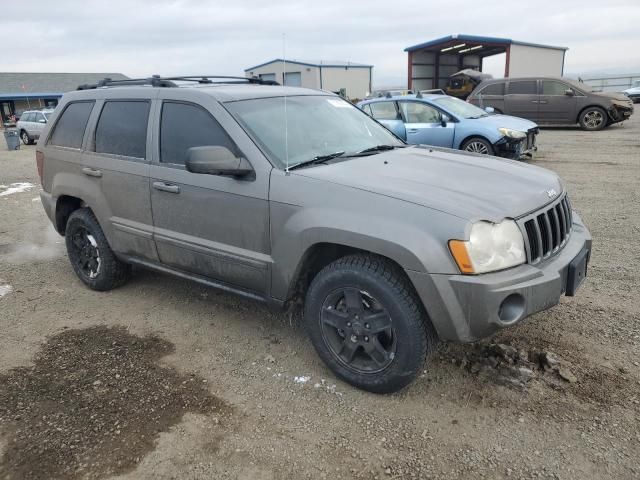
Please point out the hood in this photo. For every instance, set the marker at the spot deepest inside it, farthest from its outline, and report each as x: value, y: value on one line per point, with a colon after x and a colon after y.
x: 632, y: 90
x: 474, y: 187
x: 508, y: 121
x: 612, y: 95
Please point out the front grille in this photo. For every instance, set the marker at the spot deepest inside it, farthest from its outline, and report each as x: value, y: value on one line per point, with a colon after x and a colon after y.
x: 547, y: 231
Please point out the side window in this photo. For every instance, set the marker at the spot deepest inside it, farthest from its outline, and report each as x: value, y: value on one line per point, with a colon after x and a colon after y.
x: 70, y: 127
x: 367, y: 109
x: 523, y: 87
x: 384, y: 110
x: 415, y: 112
x: 122, y: 128
x: 27, y: 117
x: 183, y: 126
x: 39, y: 118
x: 493, y: 89
x: 550, y: 87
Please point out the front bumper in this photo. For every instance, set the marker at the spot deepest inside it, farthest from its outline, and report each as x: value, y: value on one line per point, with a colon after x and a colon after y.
x: 619, y: 113
x: 517, y: 149
x: 469, y: 307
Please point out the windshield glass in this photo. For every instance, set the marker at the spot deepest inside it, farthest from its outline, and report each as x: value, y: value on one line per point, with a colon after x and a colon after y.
x: 47, y: 115
x: 316, y: 126
x: 460, y: 108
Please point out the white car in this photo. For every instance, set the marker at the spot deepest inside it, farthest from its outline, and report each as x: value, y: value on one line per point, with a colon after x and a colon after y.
x: 634, y: 92
x: 31, y: 124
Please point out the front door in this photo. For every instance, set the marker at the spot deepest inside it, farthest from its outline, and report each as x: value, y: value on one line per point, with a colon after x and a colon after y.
x: 212, y: 226
x: 426, y: 124
x: 521, y: 99
x: 554, y: 105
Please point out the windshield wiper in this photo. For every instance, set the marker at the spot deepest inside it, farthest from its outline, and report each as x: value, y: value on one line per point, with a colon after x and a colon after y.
x: 318, y: 159
x: 379, y: 148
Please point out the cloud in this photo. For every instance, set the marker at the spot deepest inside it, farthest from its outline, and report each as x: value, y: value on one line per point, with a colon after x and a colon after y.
x: 142, y: 37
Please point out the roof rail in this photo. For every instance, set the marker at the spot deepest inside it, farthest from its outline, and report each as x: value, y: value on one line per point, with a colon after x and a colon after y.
x: 158, y: 81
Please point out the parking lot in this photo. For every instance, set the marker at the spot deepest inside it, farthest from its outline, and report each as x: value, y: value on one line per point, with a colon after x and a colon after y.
x: 163, y: 378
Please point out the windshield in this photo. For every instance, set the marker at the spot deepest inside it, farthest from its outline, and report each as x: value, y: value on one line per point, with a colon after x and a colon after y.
x: 47, y: 115
x: 316, y: 126
x: 460, y: 108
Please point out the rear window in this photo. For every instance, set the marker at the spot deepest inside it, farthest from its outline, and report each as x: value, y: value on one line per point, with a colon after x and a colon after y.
x: 493, y: 89
x: 122, y: 128
x: 524, y: 87
x: 69, y: 129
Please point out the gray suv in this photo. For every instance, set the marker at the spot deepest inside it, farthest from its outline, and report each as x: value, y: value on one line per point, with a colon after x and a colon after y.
x: 553, y: 101
x: 285, y: 194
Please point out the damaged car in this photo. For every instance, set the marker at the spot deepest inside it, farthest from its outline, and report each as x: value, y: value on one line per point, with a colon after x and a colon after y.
x: 445, y: 121
x: 553, y: 101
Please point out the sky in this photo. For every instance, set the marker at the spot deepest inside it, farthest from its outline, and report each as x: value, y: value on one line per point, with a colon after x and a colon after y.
x: 180, y: 37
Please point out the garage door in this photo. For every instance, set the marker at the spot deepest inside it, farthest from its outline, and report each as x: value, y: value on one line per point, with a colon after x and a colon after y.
x: 293, y: 79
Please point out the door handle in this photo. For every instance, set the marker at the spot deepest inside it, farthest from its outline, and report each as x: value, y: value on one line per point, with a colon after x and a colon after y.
x: 412, y: 130
x: 543, y: 101
x: 165, y: 187
x: 535, y: 101
x: 92, y: 172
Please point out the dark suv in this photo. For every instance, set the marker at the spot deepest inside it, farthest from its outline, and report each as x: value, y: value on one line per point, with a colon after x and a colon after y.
x: 283, y: 194
x: 553, y: 101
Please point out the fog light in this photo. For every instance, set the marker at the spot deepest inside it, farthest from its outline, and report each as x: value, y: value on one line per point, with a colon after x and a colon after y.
x: 512, y: 308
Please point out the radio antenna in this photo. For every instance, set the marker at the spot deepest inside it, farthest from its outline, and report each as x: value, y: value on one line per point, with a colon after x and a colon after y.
x: 286, y: 120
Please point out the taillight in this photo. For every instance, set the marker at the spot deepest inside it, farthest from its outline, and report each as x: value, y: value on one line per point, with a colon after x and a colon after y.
x: 40, y: 165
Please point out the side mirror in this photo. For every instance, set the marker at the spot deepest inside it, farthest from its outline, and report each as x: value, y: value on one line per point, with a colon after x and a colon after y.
x: 216, y: 160
x: 444, y: 119
x: 569, y: 92
x: 489, y: 109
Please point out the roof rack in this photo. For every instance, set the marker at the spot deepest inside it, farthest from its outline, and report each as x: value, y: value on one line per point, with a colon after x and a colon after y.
x: 158, y: 81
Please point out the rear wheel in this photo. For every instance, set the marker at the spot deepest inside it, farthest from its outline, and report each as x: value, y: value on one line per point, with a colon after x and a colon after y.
x: 477, y: 145
x: 593, y: 118
x: 90, y: 254
x: 367, y: 324
x: 26, y: 139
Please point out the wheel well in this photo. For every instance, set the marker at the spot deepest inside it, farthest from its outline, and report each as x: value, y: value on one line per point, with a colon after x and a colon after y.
x: 65, y: 206
x: 315, y: 259
x: 475, y: 136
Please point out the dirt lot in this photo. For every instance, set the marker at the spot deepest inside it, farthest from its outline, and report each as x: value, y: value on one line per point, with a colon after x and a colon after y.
x: 167, y: 379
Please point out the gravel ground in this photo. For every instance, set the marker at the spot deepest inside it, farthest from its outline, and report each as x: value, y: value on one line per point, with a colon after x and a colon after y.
x: 194, y: 383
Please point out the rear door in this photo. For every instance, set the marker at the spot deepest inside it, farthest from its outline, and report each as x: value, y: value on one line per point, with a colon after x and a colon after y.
x: 424, y: 124
x: 521, y: 99
x: 554, y: 105
x: 213, y: 226
x: 116, y: 162
x: 386, y: 112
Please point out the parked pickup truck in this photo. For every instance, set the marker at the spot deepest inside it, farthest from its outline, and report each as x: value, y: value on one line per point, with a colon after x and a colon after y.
x: 283, y: 194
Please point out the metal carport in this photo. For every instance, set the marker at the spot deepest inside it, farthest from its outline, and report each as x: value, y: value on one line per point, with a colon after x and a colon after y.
x: 431, y: 63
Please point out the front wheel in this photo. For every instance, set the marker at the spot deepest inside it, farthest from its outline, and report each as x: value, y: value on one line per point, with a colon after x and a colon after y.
x: 593, y: 118
x: 90, y: 254
x: 477, y: 145
x: 367, y: 324
x: 26, y: 139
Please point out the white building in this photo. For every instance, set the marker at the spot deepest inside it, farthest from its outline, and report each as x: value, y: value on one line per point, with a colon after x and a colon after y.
x: 335, y: 76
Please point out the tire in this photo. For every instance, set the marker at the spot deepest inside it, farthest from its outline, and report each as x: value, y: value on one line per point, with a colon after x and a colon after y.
x: 383, y: 354
x: 90, y: 254
x: 593, y: 119
x: 477, y: 145
x: 26, y: 139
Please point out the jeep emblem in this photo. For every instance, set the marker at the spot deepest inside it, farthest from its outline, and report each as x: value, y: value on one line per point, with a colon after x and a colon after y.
x: 551, y: 193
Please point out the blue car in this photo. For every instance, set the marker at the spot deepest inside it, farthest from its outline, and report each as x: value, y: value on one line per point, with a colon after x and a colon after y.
x: 445, y: 121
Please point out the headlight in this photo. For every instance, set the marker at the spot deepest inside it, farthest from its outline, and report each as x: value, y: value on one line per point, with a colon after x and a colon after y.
x: 509, y: 133
x: 491, y: 247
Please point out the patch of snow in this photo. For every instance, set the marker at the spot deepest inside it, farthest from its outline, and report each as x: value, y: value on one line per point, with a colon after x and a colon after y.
x: 16, y: 188
x: 301, y: 379
x: 4, y: 289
